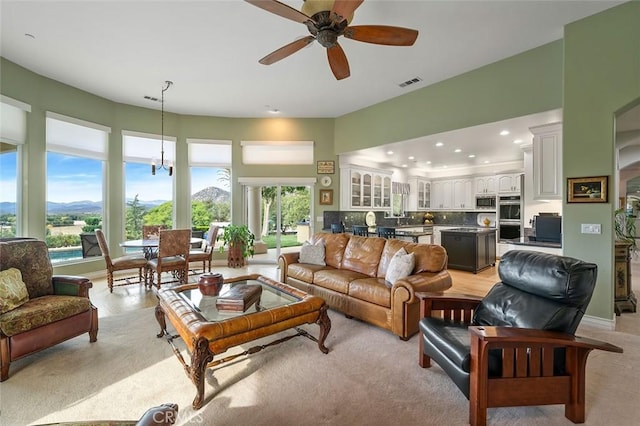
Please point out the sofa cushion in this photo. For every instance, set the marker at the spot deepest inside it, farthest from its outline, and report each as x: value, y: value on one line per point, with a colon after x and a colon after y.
x: 336, y: 279
x: 391, y: 247
x: 334, y: 247
x: 312, y: 253
x: 13, y: 291
x: 372, y: 290
x: 303, y: 271
x: 41, y: 311
x: 362, y: 254
x: 401, y: 266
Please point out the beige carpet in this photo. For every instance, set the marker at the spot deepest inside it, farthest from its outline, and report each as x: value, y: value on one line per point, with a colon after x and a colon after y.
x: 369, y: 377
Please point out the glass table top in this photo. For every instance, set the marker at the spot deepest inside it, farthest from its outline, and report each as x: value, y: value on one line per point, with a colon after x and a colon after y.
x: 271, y: 297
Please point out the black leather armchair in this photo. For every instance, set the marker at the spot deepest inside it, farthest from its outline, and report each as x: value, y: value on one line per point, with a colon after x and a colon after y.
x: 516, y: 346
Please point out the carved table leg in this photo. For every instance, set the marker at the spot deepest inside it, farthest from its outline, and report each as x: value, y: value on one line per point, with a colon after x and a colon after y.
x: 325, y: 326
x: 161, y: 320
x: 200, y: 357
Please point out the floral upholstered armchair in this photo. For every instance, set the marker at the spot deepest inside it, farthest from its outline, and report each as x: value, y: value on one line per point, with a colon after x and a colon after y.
x: 37, y: 309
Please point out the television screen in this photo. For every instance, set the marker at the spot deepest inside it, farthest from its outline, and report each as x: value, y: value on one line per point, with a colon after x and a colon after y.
x: 549, y: 229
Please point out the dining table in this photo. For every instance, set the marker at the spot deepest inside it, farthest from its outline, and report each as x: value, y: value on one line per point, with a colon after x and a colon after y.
x: 150, y: 246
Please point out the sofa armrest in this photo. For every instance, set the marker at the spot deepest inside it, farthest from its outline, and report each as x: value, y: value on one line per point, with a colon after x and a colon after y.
x: 423, y: 282
x: 71, y: 285
x: 284, y: 261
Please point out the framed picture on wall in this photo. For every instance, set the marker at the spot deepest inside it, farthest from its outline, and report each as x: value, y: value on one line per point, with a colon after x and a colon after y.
x: 326, y: 167
x: 587, y: 189
x: 326, y: 196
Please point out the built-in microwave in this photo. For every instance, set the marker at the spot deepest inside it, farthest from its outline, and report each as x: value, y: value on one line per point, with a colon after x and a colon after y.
x: 486, y: 202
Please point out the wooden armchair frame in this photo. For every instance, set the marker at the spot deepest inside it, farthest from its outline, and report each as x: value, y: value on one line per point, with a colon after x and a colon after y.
x: 527, y: 361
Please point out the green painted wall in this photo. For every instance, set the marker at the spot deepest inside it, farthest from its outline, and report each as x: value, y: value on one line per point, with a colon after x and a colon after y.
x: 44, y: 94
x: 524, y: 84
x: 601, y: 76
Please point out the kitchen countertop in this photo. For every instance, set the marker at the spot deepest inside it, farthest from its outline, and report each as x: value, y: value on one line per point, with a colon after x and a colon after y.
x: 470, y: 229
x: 526, y: 242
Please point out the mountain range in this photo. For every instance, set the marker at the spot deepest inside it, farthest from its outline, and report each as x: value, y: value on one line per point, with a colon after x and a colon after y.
x: 211, y: 193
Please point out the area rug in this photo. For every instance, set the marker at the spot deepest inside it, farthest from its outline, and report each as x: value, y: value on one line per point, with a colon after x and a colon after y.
x: 369, y: 377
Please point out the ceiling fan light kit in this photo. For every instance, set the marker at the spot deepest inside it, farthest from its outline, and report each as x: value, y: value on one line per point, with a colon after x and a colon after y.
x: 327, y: 20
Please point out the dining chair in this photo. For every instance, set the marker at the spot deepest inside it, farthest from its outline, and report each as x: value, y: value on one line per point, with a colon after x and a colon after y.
x: 337, y: 228
x: 152, y: 232
x: 205, y: 253
x: 89, y: 243
x: 127, y: 262
x: 361, y: 230
x: 173, y: 256
x: 386, y: 232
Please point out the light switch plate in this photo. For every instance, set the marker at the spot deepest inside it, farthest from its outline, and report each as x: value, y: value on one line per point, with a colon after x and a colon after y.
x: 591, y: 228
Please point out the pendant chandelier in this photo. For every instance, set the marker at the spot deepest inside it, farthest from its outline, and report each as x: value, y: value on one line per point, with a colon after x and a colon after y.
x: 169, y: 166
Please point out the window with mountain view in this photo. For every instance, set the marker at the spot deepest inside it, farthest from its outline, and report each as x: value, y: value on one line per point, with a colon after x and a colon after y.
x: 210, y: 164
x: 13, y: 132
x: 76, y: 154
x: 149, y: 198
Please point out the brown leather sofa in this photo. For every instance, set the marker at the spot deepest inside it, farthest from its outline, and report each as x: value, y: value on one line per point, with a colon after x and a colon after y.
x: 58, y: 307
x: 353, y: 280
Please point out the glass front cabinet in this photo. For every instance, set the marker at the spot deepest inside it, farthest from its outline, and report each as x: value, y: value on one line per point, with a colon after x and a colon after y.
x: 367, y: 189
x: 420, y: 194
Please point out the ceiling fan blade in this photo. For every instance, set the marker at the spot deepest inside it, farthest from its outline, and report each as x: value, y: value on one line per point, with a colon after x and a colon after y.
x: 338, y: 62
x: 281, y: 9
x: 286, y: 50
x: 382, y: 34
x: 343, y: 9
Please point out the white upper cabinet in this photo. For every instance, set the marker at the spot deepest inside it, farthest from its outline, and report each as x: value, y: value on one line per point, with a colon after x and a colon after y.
x: 486, y: 185
x: 420, y: 193
x: 364, y: 189
x: 441, y: 194
x: 509, y: 184
x: 547, y: 162
x: 463, y: 194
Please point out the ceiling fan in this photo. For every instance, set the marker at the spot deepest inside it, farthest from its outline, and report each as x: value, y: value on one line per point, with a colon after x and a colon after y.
x: 327, y: 20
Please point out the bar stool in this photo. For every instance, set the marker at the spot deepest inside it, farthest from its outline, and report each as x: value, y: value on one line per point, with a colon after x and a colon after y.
x: 337, y: 228
x: 385, y: 232
x: 361, y: 230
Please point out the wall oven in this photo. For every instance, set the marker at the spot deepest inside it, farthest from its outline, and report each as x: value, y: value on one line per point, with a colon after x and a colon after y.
x: 509, y: 218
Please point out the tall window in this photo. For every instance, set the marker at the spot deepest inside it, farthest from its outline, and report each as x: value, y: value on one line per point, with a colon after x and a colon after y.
x: 210, y: 164
x: 13, y: 127
x: 149, y: 198
x: 76, y: 155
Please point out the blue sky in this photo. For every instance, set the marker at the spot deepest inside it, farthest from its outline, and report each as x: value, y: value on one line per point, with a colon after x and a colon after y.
x: 72, y: 178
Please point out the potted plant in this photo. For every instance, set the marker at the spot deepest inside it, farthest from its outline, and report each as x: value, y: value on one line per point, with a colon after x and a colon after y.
x: 239, y: 240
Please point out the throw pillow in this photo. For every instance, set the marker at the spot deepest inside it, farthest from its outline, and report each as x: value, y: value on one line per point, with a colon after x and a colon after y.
x: 401, y: 266
x: 13, y: 291
x: 312, y: 254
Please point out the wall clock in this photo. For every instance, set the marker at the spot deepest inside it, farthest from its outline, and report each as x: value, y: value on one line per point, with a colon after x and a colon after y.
x: 325, y: 180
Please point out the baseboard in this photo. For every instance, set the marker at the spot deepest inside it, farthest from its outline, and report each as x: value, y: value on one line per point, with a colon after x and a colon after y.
x: 599, y: 323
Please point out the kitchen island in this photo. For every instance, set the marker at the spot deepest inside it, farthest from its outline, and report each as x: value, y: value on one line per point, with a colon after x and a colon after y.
x: 470, y: 249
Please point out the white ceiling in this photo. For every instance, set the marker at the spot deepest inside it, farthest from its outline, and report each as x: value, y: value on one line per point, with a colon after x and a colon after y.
x: 124, y: 50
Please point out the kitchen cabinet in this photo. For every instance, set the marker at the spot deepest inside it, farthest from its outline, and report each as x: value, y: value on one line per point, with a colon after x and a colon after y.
x: 455, y: 194
x: 420, y: 194
x: 470, y: 249
x: 463, y: 195
x: 365, y: 189
x: 547, y: 162
x: 441, y: 193
x: 509, y: 184
x: 486, y: 185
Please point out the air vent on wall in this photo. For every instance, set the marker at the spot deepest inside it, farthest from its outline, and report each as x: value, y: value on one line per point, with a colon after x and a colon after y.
x: 408, y: 82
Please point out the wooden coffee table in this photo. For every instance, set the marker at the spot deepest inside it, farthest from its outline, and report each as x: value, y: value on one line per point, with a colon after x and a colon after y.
x: 208, y: 332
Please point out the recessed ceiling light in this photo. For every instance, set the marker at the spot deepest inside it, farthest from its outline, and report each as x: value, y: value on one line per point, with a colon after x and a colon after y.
x: 404, y: 165
x: 504, y: 133
x: 390, y: 152
x: 411, y: 157
x: 517, y: 141
x: 486, y: 161
x: 444, y: 166
x: 439, y: 144
x: 428, y: 162
x: 457, y: 150
x: 472, y: 156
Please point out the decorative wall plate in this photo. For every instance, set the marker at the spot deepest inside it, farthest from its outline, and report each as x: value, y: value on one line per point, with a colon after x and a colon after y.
x: 325, y: 181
